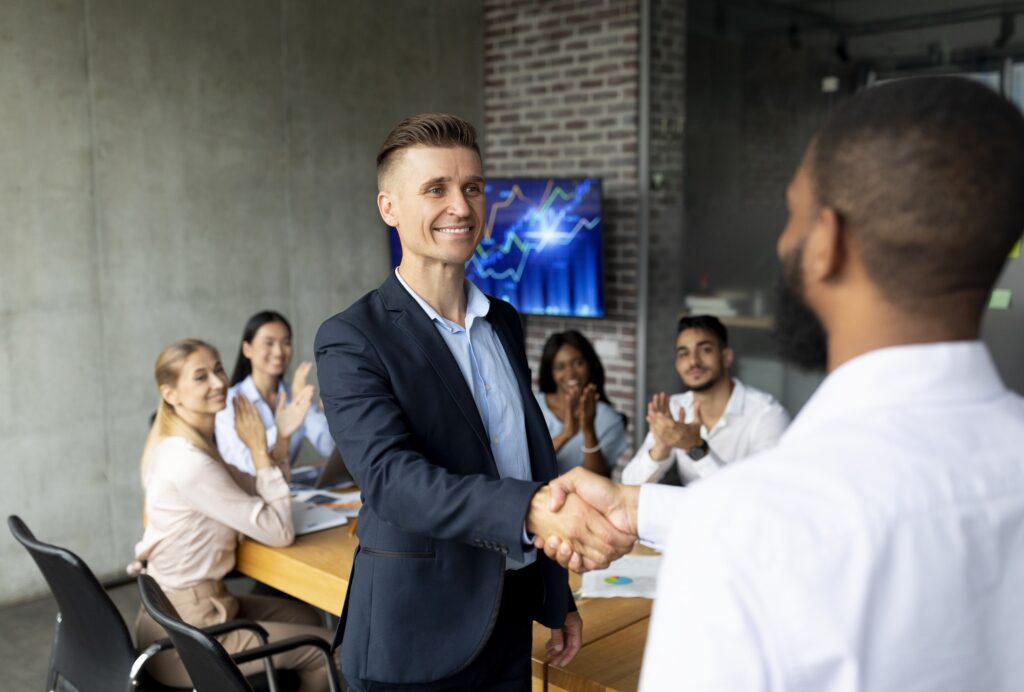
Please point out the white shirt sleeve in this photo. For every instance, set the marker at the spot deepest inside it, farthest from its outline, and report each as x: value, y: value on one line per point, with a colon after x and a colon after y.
x: 643, y: 469
x: 656, y: 512
x: 706, y: 614
x: 710, y: 464
x: 315, y: 429
x: 768, y: 429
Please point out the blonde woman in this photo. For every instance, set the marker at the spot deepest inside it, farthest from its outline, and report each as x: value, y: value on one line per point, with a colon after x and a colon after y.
x: 196, y: 507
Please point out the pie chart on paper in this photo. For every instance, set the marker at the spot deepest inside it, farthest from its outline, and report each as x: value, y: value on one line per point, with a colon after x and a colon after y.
x: 618, y: 581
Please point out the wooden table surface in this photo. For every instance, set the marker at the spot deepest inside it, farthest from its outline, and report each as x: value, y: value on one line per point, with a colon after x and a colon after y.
x: 315, y: 569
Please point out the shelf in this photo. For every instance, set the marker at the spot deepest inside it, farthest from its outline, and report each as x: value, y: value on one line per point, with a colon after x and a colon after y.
x: 764, y: 322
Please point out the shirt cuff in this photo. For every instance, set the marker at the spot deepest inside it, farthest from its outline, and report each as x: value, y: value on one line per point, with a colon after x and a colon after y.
x: 708, y: 466
x: 644, y: 469
x: 271, y: 484
x: 657, y: 507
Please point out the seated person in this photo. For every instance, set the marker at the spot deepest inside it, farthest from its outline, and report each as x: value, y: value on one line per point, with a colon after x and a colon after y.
x: 286, y: 412
x: 196, y: 507
x: 718, y: 421
x: 585, y: 429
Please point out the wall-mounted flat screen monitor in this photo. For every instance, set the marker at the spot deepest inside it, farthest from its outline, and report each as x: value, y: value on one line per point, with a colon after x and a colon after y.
x: 541, y: 246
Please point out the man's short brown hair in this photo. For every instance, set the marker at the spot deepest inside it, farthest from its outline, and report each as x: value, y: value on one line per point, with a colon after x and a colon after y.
x: 426, y: 130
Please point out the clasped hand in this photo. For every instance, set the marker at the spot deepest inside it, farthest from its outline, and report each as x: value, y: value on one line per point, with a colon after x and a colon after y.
x: 583, y: 520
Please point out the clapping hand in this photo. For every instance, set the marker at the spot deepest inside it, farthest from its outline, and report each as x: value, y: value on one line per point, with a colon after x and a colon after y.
x: 290, y: 414
x: 670, y: 432
x: 587, y: 408
x: 250, y: 429
x: 300, y: 375
x: 570, y: 416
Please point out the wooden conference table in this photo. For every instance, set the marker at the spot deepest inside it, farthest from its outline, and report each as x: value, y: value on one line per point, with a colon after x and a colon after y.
x: 316, y: 567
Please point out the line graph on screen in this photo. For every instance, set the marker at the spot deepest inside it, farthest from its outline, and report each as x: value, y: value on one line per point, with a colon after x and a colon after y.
x: 541, y: 247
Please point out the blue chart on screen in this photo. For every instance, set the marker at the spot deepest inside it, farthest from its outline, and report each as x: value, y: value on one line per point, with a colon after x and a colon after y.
x: 541, y: 246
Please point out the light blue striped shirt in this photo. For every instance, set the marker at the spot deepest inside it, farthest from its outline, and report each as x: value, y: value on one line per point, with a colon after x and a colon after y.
x: 489, y: 376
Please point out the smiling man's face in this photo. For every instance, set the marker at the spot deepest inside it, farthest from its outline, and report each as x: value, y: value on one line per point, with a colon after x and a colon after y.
x: 701, y: 360
x: 434, y: 198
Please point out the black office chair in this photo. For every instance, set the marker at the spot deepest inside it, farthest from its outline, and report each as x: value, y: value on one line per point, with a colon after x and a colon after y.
x: 92, y: 648
x: 210, y: 666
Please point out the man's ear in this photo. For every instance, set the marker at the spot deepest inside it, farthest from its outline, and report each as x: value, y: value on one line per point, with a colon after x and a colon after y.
x: 825, y: 252
x: 727, y: 356
x: 386, y: 206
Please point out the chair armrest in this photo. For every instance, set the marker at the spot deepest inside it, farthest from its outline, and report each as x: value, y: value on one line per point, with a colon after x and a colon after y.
x: 232, y: 625
x: 283, y: 645
x: 148, y: 653
x: 213, y: 630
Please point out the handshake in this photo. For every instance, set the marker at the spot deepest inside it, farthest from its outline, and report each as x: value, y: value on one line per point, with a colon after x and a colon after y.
x: 584, y: 521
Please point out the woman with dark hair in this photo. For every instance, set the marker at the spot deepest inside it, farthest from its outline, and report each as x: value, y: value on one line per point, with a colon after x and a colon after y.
x: 585, y: 429
x: 287, y: 412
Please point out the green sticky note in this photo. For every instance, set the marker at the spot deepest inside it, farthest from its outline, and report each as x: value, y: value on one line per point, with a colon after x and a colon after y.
x: 1000, y: 299
x: 1015, y: 252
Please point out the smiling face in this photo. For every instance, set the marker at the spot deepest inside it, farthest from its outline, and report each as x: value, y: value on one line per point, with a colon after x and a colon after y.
x: 201, y: 389
x: 569, y: 369
x: 700, y: 359
x: 270, y: 350
x: 434, y: 198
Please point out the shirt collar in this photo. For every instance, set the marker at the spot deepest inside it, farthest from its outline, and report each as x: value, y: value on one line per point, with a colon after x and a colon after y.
x: 902, y: 376
x: 477, y: 304
x: 733, y: 407
x: 248, y: 387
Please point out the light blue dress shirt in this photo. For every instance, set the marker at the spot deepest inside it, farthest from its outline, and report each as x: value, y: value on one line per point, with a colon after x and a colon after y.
x: 233, y: 450
x: 489, y: 376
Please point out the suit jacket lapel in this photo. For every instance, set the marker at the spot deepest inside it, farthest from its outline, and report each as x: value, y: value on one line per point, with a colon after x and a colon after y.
x: 409, y: 317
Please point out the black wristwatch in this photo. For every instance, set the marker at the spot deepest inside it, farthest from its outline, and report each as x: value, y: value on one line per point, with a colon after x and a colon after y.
x: 699, y: 451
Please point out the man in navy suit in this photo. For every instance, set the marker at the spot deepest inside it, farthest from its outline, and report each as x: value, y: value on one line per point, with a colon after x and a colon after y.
x: 428, y: 394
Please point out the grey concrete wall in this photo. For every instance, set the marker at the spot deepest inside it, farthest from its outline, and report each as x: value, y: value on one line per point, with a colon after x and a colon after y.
x: 167, y: 169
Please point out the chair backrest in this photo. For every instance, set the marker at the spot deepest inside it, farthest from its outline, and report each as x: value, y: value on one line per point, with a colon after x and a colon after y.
x: 207, y: 662
x: 93, y: 649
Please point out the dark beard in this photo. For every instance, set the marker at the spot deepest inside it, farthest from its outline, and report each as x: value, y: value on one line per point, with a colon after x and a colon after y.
x: 800, y: 337
x: 706, y: 386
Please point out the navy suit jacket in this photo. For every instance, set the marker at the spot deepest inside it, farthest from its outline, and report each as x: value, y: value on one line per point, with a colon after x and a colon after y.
x: 437, y: 522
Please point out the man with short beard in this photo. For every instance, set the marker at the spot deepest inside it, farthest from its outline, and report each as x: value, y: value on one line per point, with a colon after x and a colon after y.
x: 880, y: 545
x: 718, y: 421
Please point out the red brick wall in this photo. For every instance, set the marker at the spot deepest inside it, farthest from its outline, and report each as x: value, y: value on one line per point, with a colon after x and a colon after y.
x: 561, y: 99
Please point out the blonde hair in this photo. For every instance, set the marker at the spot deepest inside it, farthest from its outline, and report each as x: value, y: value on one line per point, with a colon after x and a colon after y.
x: 168, y: 423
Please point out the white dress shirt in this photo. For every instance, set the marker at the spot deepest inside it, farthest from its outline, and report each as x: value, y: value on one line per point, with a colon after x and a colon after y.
x: 233, y: 450
x: 752, y: 422
x: 879, y: 546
